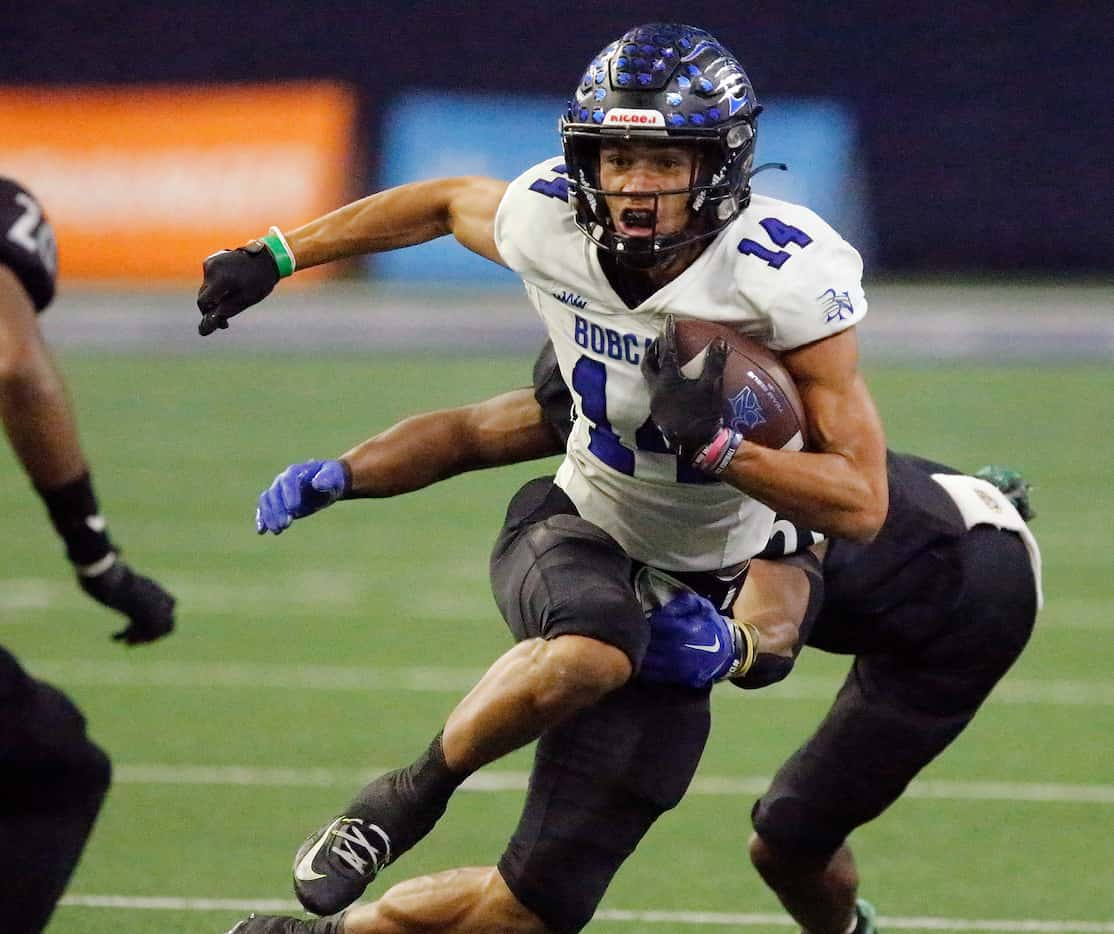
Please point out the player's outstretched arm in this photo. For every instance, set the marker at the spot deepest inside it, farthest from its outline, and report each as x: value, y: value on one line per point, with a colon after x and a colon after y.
x: 423, y: 449
x: 404, y: 216
x: 411, y: 455
x: 388, y: 220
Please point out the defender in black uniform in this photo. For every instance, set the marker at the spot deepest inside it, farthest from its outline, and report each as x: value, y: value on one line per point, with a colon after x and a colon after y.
x: 935, y: 610
x: 53, y: 778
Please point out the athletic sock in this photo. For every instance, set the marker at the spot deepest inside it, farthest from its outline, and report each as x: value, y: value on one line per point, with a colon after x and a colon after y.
x: 76, y: 518
x: 407, y: 803
x: 430, y: 772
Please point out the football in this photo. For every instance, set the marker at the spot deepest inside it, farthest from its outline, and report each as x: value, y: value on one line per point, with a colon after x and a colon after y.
x: 760, y: 399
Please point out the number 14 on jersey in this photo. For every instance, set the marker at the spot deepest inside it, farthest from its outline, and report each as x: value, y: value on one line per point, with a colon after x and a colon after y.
x: 589, y: 381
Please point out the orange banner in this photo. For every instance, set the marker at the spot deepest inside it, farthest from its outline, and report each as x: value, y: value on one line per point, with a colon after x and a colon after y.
x: 141, y: 183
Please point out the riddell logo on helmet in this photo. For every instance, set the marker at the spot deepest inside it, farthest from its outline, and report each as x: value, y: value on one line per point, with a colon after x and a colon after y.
x: 628, y: 117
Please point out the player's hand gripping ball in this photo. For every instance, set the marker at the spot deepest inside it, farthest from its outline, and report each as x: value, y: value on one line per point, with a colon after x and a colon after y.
x: 705, y: 376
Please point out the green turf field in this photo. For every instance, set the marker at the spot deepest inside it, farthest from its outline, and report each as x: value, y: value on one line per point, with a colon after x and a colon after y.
x: 306, y: 662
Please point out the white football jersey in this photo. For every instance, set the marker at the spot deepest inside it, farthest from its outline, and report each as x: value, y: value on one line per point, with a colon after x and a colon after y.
x: 778, y: 273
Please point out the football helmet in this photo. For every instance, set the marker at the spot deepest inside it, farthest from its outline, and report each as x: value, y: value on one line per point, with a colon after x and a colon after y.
x: 663, y: 82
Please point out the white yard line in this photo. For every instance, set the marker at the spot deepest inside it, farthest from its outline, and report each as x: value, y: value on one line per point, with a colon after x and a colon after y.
x: 205, y: 675
x: 321, y: 589
x: 496, y: 780
x: 693, y: 918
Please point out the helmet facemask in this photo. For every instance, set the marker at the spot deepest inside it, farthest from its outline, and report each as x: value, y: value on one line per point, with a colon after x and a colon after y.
x: 716, y: 192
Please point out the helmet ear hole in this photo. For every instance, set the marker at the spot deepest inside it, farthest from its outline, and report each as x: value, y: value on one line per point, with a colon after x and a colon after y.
x: 739, y: 135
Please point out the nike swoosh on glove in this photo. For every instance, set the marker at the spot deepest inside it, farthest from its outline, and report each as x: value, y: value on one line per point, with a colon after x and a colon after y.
x: 691, y: 644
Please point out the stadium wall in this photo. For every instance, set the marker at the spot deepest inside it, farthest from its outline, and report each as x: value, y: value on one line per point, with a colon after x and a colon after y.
x: 985, y: 127
x: 1000, y: 323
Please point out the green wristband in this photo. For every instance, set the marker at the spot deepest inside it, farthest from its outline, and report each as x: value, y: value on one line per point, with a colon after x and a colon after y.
x: 280, y: 250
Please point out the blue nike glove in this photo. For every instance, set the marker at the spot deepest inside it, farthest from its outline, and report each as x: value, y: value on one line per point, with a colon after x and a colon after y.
x: 299, y: 491
x: 692, y: 645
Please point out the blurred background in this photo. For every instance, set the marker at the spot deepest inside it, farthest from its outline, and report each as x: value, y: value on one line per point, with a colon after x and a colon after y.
x: 965, y: 150
x: 968, y: 146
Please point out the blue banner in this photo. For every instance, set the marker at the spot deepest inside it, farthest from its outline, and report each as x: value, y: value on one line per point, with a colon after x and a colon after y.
x: 437, y: 134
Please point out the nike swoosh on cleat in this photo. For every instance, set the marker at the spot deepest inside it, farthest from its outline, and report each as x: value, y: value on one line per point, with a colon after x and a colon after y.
x: 303, y: 870
x: 714, y: 647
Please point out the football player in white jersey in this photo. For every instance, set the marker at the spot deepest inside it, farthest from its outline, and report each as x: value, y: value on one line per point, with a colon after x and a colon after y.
x: 648, y: 215
x: 952, y: 568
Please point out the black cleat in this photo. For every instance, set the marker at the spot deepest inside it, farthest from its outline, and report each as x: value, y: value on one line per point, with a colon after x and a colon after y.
x: 334, y: 866
x: 337, y: 863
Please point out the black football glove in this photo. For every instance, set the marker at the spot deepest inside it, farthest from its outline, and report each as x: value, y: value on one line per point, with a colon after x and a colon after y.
x: 689, y: 412
x: 234, y: 280
x: 149, y: 608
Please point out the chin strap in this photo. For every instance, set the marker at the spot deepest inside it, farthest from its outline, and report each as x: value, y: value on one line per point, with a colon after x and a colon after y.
x: 780, y: 166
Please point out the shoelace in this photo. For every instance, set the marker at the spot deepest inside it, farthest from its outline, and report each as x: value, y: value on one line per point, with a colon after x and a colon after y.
x: 348, y: 835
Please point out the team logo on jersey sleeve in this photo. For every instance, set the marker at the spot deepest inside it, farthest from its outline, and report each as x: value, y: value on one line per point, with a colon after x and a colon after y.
x: 837, y: 306
x: 746, y: 411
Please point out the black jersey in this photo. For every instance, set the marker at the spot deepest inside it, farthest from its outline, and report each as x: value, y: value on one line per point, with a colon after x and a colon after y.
x: 27, y: 242
x: 552, y: 394
x: 904, y: 558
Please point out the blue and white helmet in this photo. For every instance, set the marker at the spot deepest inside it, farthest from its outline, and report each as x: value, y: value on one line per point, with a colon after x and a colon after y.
x: 671, y: 83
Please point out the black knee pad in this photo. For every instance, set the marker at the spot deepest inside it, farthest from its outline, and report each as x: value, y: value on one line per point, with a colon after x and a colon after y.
x: 586, y: 590
x: 562, y: 575
x: 793, y: 830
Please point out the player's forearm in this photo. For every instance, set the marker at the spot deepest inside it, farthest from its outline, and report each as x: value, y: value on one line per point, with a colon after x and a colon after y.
x: 43, y: 434
x: 386, y: 220
x: 827, y: 492
x: 839, y: 486
x: 424, y: 449
x: 408, y: 456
